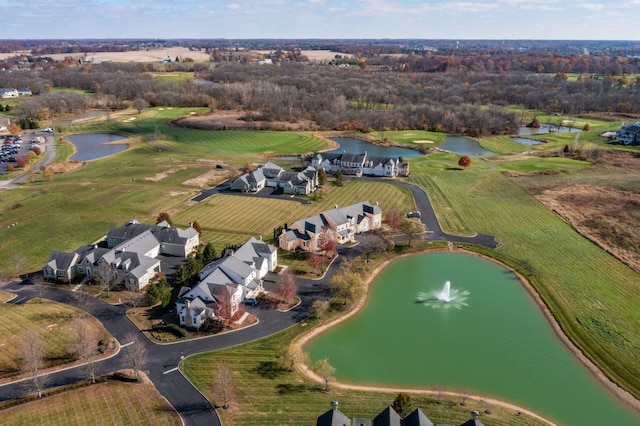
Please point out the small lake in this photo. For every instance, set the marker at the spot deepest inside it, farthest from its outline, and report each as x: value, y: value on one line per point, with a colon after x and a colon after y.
x: 492, y: 339
x: 463, y: 146
x: 546, y: 128
x: 358, y: 146
x: 91, y: 146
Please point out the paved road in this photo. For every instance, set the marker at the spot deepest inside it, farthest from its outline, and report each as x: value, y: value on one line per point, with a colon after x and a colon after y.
x: 162, y: 360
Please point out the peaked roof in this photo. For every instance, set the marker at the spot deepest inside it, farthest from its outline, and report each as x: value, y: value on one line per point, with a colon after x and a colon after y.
x: 417, y: 418
x: 333, y: 417
x: 61, y: 260
x: 388, y: 417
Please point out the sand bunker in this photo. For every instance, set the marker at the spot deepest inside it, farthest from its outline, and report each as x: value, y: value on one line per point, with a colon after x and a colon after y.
x: 423, y: 141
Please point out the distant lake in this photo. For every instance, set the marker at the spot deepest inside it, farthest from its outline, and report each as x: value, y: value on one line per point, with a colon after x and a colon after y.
x: 358, y: 146
x: 463, y: 146
x: 91, y: 146
x: 546, y: 128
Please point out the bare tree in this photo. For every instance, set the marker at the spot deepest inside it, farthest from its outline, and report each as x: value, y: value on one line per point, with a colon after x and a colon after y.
x: 86, y: 345
x: 140, y: 104
x: 325, y: 371
x: 372, y: 243
x: 38, y: 283
x: 33, y: 359
x: 136, y: 300
x: 286, y: 286
x: 319, y: 308
x: 82, y: 299
x: 293, y: 357
x: 223, y: 388
x: 19, y: 260
x: 135, y: 353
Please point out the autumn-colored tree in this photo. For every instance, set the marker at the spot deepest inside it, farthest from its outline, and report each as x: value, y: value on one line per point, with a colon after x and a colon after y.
x: 164, y: 216
x: 286, y: 286
x: 464, y: 161
x: 247, y: 168
x: 315, y: 260
x: 327, y: 242
x: 411, y: 229
x: 535, y: 123
x: 224, y: 306
x: 393, y: 218
x: 586, y: 127
x: 22, y: 161
x: 195, y: 225
x: 322, y: 177
x: 14, y: 129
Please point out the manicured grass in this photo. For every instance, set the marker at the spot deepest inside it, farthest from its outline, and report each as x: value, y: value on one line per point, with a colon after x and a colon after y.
x: 232, y: 219
x: 108, y: 404
x: 409, y: 137
x: 52, y: 320
x: 267, y: 394
x: 536, y: 164
x: 597, y: 309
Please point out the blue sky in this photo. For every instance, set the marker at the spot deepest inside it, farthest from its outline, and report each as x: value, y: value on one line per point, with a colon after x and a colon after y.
x: 433, y: 19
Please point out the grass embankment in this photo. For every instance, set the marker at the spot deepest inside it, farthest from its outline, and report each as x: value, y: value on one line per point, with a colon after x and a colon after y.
x: 110, y: 403
x: 51, y: 320
x: 268, y: 394
x: 593, y: 296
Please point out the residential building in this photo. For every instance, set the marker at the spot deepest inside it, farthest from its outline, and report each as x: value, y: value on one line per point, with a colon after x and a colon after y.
x: 7, y: 92
x: 388, y: 417
x: 340, y: 223
x: 130, y: 257
x: 225, y: 282
x: 630, y: 134
x: 273, y: 176
x: 359, y: 164
x: 24, y: 91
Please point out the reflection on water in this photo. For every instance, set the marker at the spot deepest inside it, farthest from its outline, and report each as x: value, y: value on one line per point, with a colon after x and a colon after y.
x: 91, y: 146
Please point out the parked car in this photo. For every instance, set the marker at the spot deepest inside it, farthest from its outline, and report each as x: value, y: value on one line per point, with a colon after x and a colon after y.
x: 47, y: 130
x: 250, y: 301
x: 414, y: 214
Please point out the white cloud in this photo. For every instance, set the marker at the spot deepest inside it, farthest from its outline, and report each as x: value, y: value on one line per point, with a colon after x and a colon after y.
x: 591, y: 6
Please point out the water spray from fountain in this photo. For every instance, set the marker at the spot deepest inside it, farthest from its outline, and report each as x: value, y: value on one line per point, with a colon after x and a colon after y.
x: 446, y: 298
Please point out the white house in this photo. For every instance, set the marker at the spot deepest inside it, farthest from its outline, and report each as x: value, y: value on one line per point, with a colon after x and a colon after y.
x: 630, y: 134
x: 7, y: 92
x: 341, y: 223
x: 359, y: 164
x: 273, y: 176
x: 225, y: 282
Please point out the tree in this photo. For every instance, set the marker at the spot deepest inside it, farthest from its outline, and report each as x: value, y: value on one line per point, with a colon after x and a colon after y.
x: 160, y: 292
x: 38, y: 283
x: 222, y: 388
x: 164, y: 216
x: 224, y: 307
x: 372, y: 243
x: 411, y: 229
x: 319, y: 308
x: 183, y: 275
x: 248, y: 168
x: 393, y: 218
x: 327, y: 241
x: 195, y: 225
x: 140, y: 104
x: 14, y: 129
x: 315, y: 260
x: 208, y: 254
x: 346, y: 284
x: 86, y: 345
x: 33, y: 359
x: 325, y: 371
x: 136, y: 300
x: 586, y: 127
x: 292, y: 357
x: 339, y: 178
x: 322, y: 177
x: 19, y: 260
x: 135, y: 353
x: 402, y: 404
x: 286, y: 286
x: 464, y: 161
x: 81, y: 298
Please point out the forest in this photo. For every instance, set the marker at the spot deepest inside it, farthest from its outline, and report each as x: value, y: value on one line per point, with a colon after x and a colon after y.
x: 464, y: 92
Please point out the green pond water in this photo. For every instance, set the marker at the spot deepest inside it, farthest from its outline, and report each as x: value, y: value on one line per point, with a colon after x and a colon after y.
x: 496, y: 343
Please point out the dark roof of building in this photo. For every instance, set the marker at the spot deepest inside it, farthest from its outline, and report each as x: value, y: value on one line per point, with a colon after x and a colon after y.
x: 417, y: 418
x: 388, y: 417
x: 333, y: 417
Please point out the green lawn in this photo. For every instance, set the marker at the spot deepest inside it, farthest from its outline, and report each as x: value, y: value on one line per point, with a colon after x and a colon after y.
x: 108, y: 404
x: 52, y: 320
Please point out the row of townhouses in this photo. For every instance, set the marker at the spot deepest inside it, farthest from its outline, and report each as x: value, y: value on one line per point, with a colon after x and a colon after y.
x: 341, y: 223
x: 270, y: 175
x: 359, y: 164
x: 130, y: 257
x: 226, y: 282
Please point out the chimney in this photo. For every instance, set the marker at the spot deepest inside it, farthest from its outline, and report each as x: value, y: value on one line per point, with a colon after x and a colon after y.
x: 334, y: 405
x: 335, y: 206
x: 475, y: 415
x: 260, y: 237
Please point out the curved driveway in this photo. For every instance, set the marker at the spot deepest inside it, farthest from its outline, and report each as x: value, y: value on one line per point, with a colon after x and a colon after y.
x: 162, y: 360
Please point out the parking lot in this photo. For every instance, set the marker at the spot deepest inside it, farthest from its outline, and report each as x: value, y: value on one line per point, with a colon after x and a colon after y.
x: 13, y: 147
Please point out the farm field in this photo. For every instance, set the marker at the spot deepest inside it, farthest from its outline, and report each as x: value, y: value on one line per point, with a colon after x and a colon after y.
x: 110, y: 403
x: 53, y: 321
x: 286, y: 398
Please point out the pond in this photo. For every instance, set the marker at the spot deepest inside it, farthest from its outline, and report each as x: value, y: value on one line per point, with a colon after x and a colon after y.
x: 490, y: 340
x: 358, y: 146
x: 463, y: 146
x: 91, y: 146
x: 546, y: 128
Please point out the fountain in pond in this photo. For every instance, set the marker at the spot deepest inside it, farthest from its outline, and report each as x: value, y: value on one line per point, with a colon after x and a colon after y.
x: 446, y: 298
